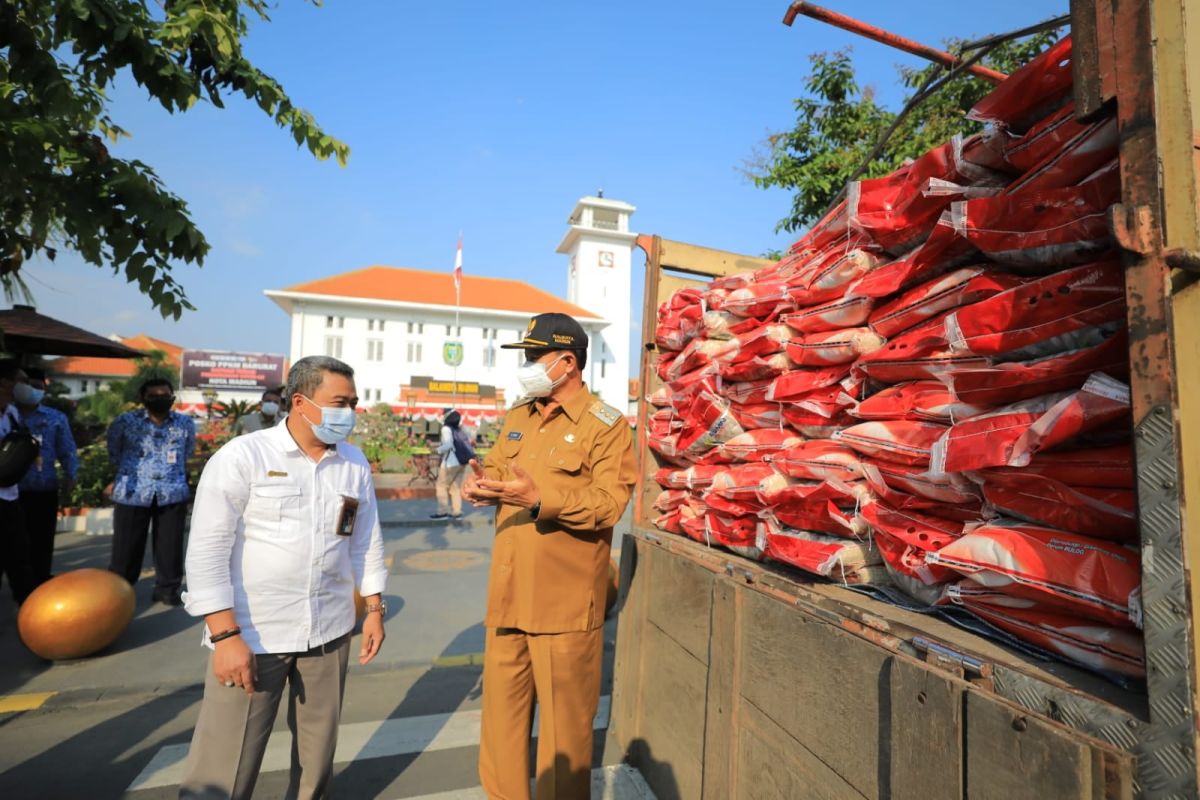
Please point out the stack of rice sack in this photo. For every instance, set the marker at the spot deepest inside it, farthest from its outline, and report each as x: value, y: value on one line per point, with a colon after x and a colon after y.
x: 929, y: 389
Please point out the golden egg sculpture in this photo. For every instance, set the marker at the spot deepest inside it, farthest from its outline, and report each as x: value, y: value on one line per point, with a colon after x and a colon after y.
x: 614, y: 581
x: 76, y: 614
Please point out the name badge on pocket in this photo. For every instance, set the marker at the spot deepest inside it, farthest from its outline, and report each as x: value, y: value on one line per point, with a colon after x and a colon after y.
x: 172, y: 457
x: 346, y: 517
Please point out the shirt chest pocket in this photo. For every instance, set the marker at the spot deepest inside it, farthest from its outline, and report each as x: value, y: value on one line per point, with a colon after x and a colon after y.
x: 568, y: 462
x: 273, y: 508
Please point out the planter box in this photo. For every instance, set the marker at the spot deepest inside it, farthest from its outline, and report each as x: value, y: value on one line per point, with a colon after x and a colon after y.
x: 90, y: 521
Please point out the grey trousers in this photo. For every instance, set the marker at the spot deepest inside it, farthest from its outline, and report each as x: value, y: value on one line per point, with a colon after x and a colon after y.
x: 233, y: 728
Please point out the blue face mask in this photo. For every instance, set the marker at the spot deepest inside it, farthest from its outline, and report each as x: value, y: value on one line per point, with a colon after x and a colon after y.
x: 335, y: 425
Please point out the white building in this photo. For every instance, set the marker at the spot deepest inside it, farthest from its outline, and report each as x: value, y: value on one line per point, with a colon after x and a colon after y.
x: 397, y: 327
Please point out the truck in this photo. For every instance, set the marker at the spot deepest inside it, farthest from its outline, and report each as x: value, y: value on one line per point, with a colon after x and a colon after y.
x: 735, y: 678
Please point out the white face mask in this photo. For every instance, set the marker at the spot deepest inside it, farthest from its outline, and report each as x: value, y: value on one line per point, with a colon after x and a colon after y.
x: 270, y: 409
x: 335, y: 425
x: 534, y: 378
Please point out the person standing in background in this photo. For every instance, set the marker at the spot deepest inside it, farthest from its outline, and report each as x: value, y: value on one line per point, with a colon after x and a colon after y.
x: 150, y: 447
x: 40, y: 490
x: 14, y: 541
x: 450, y: 475
x: 267, y: 416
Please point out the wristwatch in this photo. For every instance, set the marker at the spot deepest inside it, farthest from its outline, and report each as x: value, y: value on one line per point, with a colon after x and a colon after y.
x: 535, y: 509
x: 381, y: 607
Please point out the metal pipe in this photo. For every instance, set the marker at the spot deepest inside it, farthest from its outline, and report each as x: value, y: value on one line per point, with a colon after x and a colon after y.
x: 886, y: 37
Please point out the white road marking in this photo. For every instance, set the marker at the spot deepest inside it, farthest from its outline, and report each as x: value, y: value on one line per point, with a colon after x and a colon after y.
x: 356, y: 741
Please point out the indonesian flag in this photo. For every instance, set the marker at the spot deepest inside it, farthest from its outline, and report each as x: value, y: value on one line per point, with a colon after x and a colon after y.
x: 458, y: 270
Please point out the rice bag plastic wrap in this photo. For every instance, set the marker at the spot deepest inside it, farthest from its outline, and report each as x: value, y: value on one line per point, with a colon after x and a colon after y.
x: 949, y: 291
x: 797, y: 383
x: 1090, y: 150
x: 671, y: 522
x: 843, y: 559
x: 1039, y: 310
x: 749, y: 392
x: 1012, y: 435
x: 1031, y: 93
x: 1103, y: 513
x: 845, y: 312
x: 951, y: 489
x: 701, y: 476
x: 1038, y: 231
x: 668, y: 448
x: 1083, y: 576
x: 828, y: 279
x: 756, y: 368
x: 1011, y: 381
x: 670, y: 499
x: 740, y: 481
x: 660, y: 397
x: 832, y: 347
x: 757, y: 300
x: 1049, y: 136
x: 1104, y: 648
x: 757, y: 445
x: 758, y: 415
x: 818, y: 461
x: 813, y: 425
x: 724, y: 325
x: 904, y: 441
x: 709, y: 423
x: 1099, y: 467
x: 893, y: 210
x: 919, y: 533
x: 942, y: 251
x: 927, y: 400
x: 671, y: 478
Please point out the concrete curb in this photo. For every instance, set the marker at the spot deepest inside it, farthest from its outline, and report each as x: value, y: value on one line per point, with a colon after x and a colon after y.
x: 465, y: 522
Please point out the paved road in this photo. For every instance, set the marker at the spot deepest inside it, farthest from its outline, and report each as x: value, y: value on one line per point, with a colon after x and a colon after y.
x: 118, y: 724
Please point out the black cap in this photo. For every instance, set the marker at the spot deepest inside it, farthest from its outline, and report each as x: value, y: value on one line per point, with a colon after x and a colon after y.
x: 551, y: 332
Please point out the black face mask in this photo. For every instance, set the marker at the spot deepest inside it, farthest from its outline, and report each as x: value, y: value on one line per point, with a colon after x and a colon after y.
x: 158, y: 405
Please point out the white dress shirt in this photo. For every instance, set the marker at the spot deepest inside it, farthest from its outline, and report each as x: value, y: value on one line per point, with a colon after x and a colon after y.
x: 263, y: 541
x: 9, y: 419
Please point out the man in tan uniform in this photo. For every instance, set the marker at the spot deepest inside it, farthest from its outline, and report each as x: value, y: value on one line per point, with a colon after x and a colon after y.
x: 560, y: 474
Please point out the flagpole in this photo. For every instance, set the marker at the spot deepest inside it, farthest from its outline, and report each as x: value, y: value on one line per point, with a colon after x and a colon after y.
x: 457, y: 313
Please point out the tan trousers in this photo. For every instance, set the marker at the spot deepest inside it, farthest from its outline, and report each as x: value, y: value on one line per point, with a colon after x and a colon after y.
x: 449, y: 489
x: 233, y: 728
x: 562, y: 672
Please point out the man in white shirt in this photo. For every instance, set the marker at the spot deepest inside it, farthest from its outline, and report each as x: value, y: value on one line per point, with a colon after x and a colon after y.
x: 284, y: 524
x: 15, y: 555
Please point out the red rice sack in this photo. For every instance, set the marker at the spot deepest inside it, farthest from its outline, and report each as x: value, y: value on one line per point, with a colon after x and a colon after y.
x: 757, y: 445
x: 1092, y: 149
x: 671, y: 522
x: 708, y: 423
x: 670, y: 499
x: 834, y: 225
x: 846, y: 312
x: 1106, y: 649
x: 660, y: 397
x: 831, y: 557
x: 724, y: 325
x: 1040, y: 310
x: 957, y: 288
x: 930, y: 401
x: 884, y: 476
x: 797, y: 383
x: 832, y: 347
x: 758, y: 415
x: 748, y: 392
x: 816, y: 517
x: 1084, y: 576
x: 813, y: 425
x: 1103, y: 513
x: 757, y: 299
x: 819, y: 461
x: 1012, y: 435
x: 942, y: 251
x: 671, y: 478
x: 1032, y: 92
x: 756, y: 368
x: 1049, y: 136
x: 731, y: 531
x: 1100, y: 467
x: 740, y: 481
x: 701, y: 476
x: 1041, y: 230
x: 1009, y: 382
x: 668, y: 448
x: 919, y: 534
x: 737, y: 507
x: 828, y: 280
x: 905, y: 441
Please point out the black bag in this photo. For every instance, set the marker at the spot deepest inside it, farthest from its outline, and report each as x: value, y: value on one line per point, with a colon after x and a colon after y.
x: 18, y: 450
x: 463, y: 450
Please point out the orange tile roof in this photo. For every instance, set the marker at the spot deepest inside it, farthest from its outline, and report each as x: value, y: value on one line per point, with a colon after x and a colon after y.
x: 114, y: 367
x: 400, y: 284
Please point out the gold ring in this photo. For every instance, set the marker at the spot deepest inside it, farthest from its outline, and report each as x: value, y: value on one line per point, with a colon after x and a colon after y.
x: 229, y: 683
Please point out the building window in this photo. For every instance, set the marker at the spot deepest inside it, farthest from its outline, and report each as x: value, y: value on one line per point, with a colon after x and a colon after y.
x: 489, y: 356
x: 414, y: 352
x: 83, y: 387
x: 374, y: 350
x: 335, y: 322
x: 415, y: 327
x: 603, y: 364
x: 333, y: 346
x: 375, y: 325
x: 448, y: 328
x: 459, y: 330
x: 329, y: 322
x: 485, y: 330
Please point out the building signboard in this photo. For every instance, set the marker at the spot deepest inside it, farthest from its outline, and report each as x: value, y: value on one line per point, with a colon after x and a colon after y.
x: 214, y: 369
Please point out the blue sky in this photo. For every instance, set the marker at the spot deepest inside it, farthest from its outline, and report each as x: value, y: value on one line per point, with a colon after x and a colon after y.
x: 489, y: 118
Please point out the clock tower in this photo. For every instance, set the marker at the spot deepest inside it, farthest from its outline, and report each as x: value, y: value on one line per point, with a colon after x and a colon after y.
x: 599, y: 248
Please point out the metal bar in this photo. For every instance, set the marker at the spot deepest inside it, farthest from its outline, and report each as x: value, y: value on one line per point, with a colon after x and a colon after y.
x: 1048, y: 25
x: 878, y: 34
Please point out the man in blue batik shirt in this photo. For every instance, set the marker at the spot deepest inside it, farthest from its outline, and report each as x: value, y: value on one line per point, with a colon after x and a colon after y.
x: 40, y: 489
x: 150, y: 447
